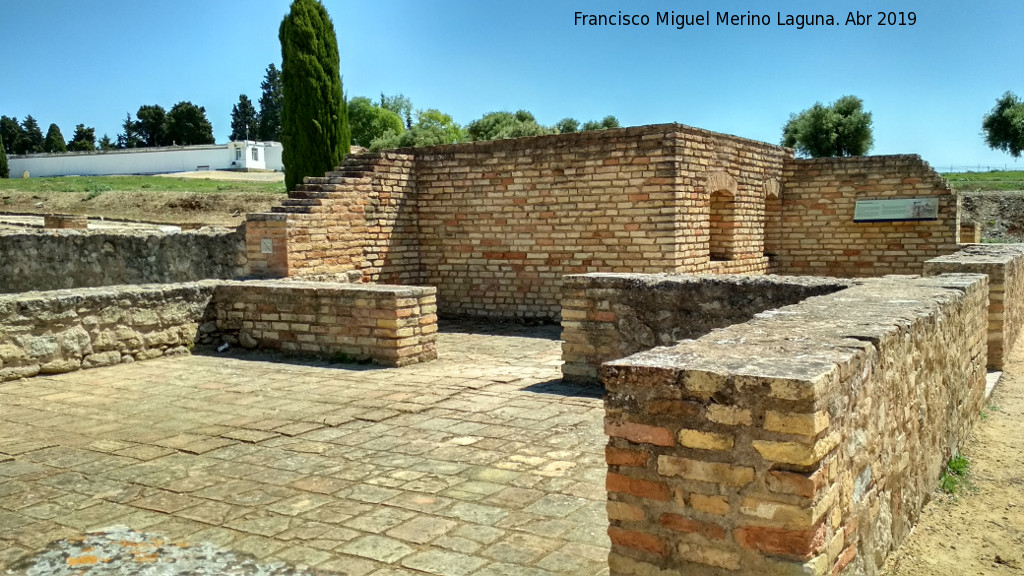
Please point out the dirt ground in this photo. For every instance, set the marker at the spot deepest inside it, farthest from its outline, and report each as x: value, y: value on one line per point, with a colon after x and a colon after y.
x: 221, y: 208
x: 981, y: 530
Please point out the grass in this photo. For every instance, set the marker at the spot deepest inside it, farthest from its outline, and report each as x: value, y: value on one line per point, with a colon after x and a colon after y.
x: 100, y: 184
x: 956, y: 477
x: 986, y: 181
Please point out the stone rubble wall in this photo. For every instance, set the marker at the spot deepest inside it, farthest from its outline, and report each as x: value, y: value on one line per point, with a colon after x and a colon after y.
x: 1004, y: 266
x: 388, y: 325
x: 611, y: 316
x: 819, y: 235
x: 805, y: 441
x: 58, y: 259
x: 66, y: 330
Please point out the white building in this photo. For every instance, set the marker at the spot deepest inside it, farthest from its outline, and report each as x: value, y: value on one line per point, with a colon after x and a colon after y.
x: 246, y: 155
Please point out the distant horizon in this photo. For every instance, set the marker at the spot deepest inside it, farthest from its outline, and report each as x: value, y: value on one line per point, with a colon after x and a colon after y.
x: 926, y: 88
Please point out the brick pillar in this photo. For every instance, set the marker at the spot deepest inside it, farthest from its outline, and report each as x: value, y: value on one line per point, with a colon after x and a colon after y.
x: 266, y: 245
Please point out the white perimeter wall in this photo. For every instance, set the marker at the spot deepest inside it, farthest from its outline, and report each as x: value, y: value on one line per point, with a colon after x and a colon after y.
x: 142, y: 161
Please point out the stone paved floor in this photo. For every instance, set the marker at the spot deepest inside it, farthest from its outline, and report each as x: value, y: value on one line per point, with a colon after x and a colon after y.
x: 482, y: 463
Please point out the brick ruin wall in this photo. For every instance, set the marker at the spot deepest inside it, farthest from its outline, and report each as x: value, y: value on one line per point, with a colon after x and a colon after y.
x: 819, y: 235
x: 611, y: 316
x: 58, y: 259
x: 1004, y: 266
x: 495, y: 225
x: 804, y: 441
x: 389, y: 325
x: 66, y: 330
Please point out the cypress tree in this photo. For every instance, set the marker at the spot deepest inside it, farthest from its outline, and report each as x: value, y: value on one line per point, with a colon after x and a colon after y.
x: 314, y: 121
x: 5, y: 170
x: 54, y: 140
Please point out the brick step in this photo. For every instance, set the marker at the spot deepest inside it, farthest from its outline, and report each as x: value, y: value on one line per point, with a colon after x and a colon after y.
x: 297, y: 209
x: 317, y: 195
x: 292, y: 201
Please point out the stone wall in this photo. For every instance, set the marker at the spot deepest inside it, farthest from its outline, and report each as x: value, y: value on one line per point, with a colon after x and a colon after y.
x: 1004, y: 266
x: 611, y: 316
x: 56, y: 259
x: 388, y: 325
x: 804, y: 441
x: 65, y: 330
x: 820, y: 237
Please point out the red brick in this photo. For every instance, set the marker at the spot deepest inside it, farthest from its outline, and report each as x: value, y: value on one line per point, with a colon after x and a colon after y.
x: 638, y: 541
x: 637, y: 487
x: 618, y: 457
x: 798, y: 544
x: 844, y: 559
x: 691, y: 526
x: 640, y: 433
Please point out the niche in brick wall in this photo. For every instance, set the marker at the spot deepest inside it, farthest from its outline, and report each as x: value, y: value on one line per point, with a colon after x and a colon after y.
x: 722, y: 216
x: 772, y: 216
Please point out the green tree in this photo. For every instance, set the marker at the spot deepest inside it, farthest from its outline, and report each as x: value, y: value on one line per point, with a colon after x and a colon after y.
x: 107, y: 144
x: 244, y: 123
x: 130, y: 137
x: 842, y: 128
x: 567, y: 126
x: 84, y: 139
x: 432, y: 128
x: 10, y: 133
x: 32, y: 136
x: 187, y: 125
x: 5, y: 170
x: 500, y: 125
x: 400, y: 105
x: 152, y: 125
x: 1003, y: 126
x: 270, y: 106
x: 54, y: 140
x: 314, y: 121
x: 369, y: 122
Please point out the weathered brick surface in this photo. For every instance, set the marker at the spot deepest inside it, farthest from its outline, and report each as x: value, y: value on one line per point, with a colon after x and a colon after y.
x: 1004, y: 266
x: 820, y: 237
x: 389, y: 325
x: 79, y: 221
x: 812, y: 437
x: 610, y: 316
x: 58, y: 259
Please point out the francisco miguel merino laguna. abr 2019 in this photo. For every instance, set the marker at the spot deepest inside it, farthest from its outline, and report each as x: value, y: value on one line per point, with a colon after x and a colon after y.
x: 681, y: 21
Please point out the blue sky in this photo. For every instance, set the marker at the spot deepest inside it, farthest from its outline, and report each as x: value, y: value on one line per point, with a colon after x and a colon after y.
x: 927, y: 85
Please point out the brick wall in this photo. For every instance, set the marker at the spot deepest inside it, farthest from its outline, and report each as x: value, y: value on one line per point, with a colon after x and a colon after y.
x: 820, y: 237
x: 495, y: 225
x: 389, y: 325
x: 611, y: 316
x: 1004, y: 266
x: 804, y: 441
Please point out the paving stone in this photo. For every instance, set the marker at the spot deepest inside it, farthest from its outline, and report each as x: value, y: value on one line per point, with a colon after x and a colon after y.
x: 443, y: 563
x: 422, y: 529
x: 379, y: 548
x: 388, y: 472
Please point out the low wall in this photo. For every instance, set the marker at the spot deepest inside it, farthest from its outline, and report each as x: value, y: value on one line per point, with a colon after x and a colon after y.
x: 389, y: 325
x: 1004, y: 266
x: 66, y: 330
x: 610, y: 316
x: 804, y: 441
x: 58, y: 259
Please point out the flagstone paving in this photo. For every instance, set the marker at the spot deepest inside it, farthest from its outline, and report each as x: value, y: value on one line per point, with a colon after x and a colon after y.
x: 482, y: 463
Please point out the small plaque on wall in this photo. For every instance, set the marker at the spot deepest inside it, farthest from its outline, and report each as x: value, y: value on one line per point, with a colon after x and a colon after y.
x: 266, y: 245
x: 896, y: 209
